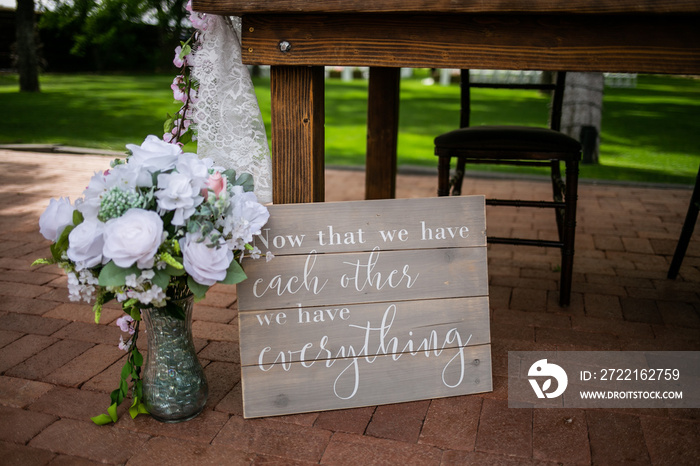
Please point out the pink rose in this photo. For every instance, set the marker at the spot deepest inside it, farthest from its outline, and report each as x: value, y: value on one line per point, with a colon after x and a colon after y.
x: 216, y: 183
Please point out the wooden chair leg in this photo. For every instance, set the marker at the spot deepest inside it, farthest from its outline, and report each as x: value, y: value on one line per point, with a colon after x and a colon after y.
x: 443, y: 176
x: 558, y: 196
x: 687, y: 230
x: 567, y: 252
x: 459, y: 176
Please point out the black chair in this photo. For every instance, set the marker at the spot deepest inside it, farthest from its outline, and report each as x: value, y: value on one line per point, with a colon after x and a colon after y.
x: 519, y: 145
x: 687, y: 230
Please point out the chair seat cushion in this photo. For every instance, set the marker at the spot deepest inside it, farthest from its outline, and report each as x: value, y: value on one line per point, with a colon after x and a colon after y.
x: 507, y: 138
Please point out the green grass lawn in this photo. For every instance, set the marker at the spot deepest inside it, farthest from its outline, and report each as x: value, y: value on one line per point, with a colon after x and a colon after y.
x: 650, y: 133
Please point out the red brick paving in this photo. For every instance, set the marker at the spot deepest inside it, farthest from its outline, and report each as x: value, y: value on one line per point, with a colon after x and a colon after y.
x: 57, y: 366
x: 560, y: 435
x: 616, y: 438
x: 402, y: 421
x: 505, y: 431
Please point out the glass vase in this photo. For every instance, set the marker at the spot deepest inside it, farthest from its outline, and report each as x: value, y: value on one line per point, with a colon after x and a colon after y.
x: 174, y: 386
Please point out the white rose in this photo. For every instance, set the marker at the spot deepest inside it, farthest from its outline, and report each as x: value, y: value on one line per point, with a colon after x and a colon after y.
x: 176, y: 193
x: 193, y: 167
x: 89, y: 204
x: 129, y: 176
x: 57, y: 216
x: 133, y: 238
x: 154, y: 154
x: 246, y: 216
x: 85, y: 244
x: 206, y: 265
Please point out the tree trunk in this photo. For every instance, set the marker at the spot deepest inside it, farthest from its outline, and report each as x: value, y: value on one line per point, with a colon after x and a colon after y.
x: 27, y: 59
x: 583, y: 110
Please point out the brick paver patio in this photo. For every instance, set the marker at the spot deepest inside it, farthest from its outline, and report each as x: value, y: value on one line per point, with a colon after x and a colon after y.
x: 57, y: 367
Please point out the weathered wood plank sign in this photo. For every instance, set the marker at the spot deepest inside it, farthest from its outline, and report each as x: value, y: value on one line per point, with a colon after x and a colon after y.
x: 366, y: 303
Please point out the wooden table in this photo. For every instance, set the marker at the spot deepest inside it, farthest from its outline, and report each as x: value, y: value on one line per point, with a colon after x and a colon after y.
x: 299, y: 37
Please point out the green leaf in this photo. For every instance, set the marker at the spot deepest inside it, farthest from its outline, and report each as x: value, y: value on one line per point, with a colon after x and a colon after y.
x: 126, y: 370
x: 174, y: 310
x: 102, y: 419
x: 116, y: 396
x: 113, y: 275
x: 138, y: 357
x: 161, y: 278
x: 168, y: 124
x: 137, y: 407
x: 61, y: 245
x: 185, y: 137
x: 230, y: 174
x: 77, y: 217
x: 171, y: 262
x: 175, y: 272
x: 198, y: 290
x: 43, y: 262
x: 123, y: 387
x: 245, y: 180
x: 133, y: 310
x: 112, y: 411
x: 97, y: 310
x: 234, y: 274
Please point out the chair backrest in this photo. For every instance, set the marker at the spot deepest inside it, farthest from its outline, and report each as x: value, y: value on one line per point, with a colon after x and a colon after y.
x: 557, y: 89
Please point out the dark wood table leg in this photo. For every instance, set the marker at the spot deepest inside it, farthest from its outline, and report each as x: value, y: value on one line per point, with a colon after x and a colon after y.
x: 687, y: 231
x: 297, y: 120
x: 382, y: 132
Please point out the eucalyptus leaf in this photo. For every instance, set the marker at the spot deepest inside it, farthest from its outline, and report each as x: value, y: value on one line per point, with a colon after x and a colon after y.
x: 113, y: 275
x: 245, y: 180
x: 230, y: 174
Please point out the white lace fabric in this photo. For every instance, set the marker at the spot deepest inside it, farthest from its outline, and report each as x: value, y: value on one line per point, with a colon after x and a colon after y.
x: 230, y: 130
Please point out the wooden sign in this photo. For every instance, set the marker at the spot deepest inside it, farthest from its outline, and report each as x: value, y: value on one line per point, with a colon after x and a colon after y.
x: 365, y: 303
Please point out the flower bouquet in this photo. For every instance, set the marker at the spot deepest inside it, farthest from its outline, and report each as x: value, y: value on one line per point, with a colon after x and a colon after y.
x: 154, y: 228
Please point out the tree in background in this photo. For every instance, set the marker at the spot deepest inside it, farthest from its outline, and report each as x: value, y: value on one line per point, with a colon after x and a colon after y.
x: 27, y: 57
x: 117, y: 34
